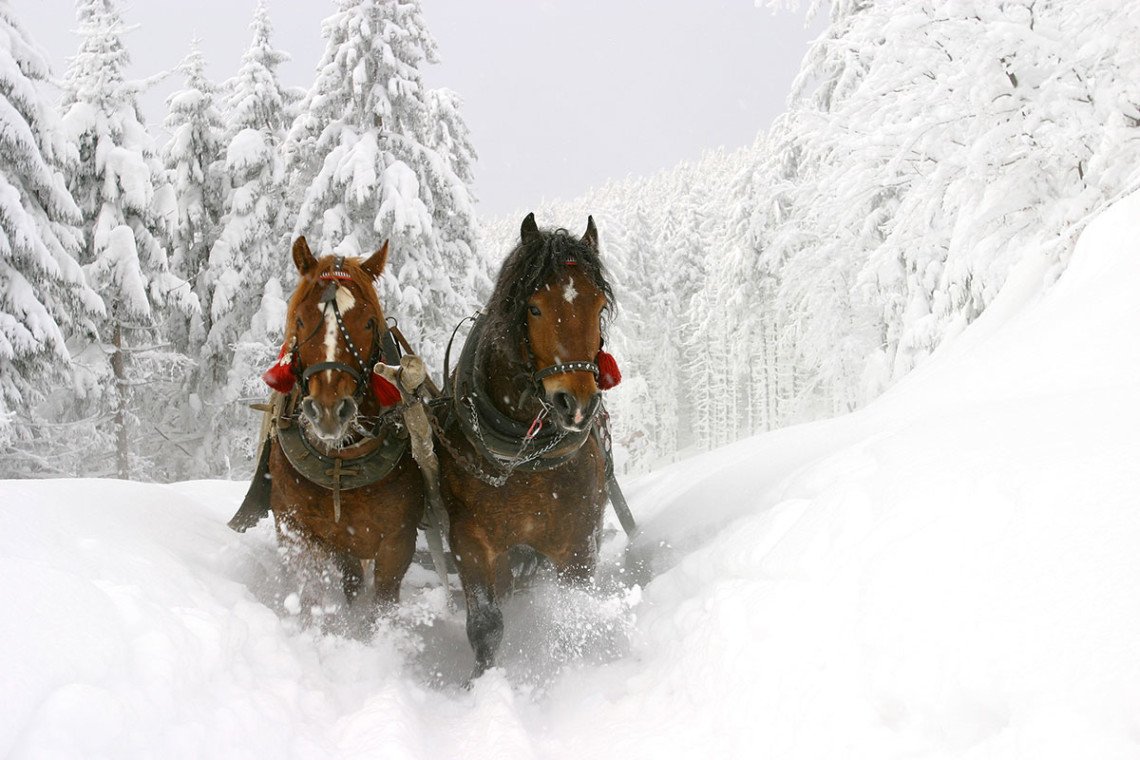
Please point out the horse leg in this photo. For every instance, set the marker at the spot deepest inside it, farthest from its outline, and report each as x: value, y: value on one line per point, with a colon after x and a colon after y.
x: 392, y: 561
x: 351, y: 574
x: 476, y: 564
x: 484, y: 625
x: 577, y: 563
x: 310, y: 564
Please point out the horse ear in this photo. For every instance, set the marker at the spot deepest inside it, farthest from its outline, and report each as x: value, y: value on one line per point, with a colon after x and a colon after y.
x: 302, y: 256
x: 374, y: 264
x: 591, y: 236
x: 529, y: 229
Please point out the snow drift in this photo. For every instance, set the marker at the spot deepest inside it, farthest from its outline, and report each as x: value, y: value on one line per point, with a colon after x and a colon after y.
x: 951, y: 572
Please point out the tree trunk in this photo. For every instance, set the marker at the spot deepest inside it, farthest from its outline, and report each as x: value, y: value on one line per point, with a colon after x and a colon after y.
x: 118, y: 366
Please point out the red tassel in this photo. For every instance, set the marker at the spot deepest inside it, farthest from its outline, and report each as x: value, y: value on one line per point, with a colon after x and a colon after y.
x: 386, y: 393
x: 281, y: 377
x: 608, y: 373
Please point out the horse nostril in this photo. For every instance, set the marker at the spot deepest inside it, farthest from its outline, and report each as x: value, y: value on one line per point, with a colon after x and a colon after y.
x: 309, y: 409
x: 345, y: 410
x: 564, y: 402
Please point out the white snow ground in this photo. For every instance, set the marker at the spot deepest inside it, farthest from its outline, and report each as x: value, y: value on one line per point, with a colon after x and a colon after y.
x: 952, y: 572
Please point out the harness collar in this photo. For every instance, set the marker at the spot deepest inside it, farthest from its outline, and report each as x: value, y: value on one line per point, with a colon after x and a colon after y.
x: 499, y: 438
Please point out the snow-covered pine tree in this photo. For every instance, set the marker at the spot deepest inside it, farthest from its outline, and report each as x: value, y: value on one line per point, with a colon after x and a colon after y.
x: 366, y: 163
x: 118, y: 182
x: 642, y: 420
x: 720, y: 313
x: 43, y: 293
x: 250, y: 258
x: 930, y: 148
x: 939, y: 143
x: 193, y: 160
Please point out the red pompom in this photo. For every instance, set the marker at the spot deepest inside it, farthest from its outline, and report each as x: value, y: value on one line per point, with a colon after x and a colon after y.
x: 281, y: 377
x: 386, y: 393
x: 608, y: 373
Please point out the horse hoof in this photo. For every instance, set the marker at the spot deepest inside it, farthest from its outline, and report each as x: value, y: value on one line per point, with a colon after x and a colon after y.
x: 479, y: 670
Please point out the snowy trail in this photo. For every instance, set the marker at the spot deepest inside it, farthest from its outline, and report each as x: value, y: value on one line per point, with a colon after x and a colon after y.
x: 951, y: 572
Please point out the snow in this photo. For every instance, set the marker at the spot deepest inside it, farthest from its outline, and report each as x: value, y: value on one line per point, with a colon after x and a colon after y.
x: 950, y: 572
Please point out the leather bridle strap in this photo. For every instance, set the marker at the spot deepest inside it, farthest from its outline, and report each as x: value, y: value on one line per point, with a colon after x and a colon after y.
x: 555, y: 369
x: 558, y: 369
x: 330, y: 298
x: 341, y: 366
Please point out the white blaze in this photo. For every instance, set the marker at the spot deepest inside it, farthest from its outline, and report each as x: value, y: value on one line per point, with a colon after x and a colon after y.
x: 344, y: 301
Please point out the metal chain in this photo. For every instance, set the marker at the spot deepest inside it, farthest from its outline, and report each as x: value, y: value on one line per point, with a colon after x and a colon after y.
x: 513, y: 463
x: 507, y: 467
x: 466, y: 463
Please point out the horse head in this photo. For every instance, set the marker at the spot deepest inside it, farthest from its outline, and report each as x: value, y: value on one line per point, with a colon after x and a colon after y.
x: 334, y: 325
x: 563, y: 323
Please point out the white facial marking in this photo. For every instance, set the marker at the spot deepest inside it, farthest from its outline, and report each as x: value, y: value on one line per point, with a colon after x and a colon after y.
x: 330, y: 339
x: 344, y: 301
x: 569, y: 292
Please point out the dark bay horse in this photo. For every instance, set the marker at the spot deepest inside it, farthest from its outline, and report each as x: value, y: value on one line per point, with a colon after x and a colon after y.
x: 521, y: 458
x: 344, y: 487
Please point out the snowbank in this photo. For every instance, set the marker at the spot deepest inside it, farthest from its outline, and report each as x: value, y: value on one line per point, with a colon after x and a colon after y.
x: 950, y: 573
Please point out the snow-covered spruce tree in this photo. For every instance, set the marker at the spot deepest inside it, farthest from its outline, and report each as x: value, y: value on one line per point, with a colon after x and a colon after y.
x: 366, y: 163
x: 115, y: 176
x: 243, y: 284
x: 193, y: 161
x: 937, y: 144
x: 643, y: 420
x: 723, y: 315
x: 930, y: 149
x: 43, y: 293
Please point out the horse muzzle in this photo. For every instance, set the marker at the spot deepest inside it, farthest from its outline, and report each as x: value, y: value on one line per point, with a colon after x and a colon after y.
x: 330, y: 423
x: 571, y: 413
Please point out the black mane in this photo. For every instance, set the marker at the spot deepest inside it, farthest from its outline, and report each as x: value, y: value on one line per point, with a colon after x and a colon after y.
x: 527, y: 268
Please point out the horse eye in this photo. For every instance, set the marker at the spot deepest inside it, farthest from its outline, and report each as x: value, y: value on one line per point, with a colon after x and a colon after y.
x: 535, y: 311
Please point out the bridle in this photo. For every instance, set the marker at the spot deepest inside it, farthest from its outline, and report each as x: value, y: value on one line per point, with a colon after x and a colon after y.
x: 361, y: 371
x: 501, y: 440
x: 537, y: 375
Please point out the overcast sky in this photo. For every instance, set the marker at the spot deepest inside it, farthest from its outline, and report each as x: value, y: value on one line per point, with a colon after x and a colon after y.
x: 560, y: 95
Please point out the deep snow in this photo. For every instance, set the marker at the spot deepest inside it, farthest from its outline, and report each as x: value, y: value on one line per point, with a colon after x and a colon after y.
x: 952, y: 572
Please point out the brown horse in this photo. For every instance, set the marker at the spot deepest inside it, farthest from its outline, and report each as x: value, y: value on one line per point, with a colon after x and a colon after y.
x: 522, y: 461
x: 344, y: 487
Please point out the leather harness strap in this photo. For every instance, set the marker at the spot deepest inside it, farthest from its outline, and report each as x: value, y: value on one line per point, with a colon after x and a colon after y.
x: 367, y: 462
x: 364, y: 464
x: 497, y: 437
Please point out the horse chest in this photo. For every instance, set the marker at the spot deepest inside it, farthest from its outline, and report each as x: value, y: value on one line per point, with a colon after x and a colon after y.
x: 369, y: 515
x: 569, y: 499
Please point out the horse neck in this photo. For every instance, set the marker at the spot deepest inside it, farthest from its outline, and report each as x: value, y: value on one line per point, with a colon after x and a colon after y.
x: 508, y: 383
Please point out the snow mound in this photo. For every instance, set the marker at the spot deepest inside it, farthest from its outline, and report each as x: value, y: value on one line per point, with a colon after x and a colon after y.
x: 948, y: 573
